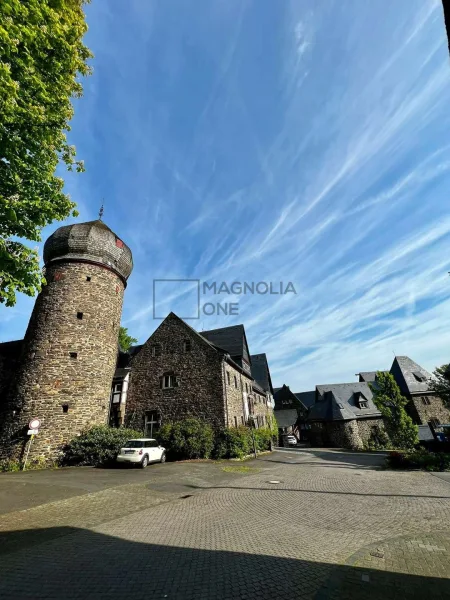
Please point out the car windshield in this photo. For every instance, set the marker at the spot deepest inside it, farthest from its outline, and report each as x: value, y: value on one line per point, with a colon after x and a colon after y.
x: 134, y: 444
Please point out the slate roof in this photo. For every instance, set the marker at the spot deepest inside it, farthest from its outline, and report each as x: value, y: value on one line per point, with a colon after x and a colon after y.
x: 407, y: 374
x: 260, y: 371
x: 231, y: 339
x: 367, y: 376
x: 338, y: 402
x: 425, y: 434
x: 284, y: 398
x: 286, y: 418
x: 11, y: 350
x: 306, y: 398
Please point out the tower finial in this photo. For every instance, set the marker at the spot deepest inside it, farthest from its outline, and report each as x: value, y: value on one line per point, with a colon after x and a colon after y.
x: 100, y: 212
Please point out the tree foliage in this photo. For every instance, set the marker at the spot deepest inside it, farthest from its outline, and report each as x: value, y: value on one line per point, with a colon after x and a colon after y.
x: 441, y: 384
x: 125, y: 340
x: 390, y: 402
x: 41, y: 59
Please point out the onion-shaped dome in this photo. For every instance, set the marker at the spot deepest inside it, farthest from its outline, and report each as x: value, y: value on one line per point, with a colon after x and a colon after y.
x: 92, y: 242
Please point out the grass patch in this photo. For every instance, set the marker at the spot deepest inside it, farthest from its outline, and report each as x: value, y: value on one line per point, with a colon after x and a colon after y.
x: 239, y: 469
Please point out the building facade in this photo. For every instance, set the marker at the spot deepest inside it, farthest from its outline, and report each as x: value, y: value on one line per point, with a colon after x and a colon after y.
x: 179, y: 373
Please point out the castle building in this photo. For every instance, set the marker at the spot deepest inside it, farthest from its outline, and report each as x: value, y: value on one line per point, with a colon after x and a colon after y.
x: 61, y: 373
x: 180, y: 373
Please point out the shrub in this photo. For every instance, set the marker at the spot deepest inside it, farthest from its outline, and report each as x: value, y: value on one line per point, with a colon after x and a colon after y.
x: 97, y: 445
x: 419, y: 459
x: 189, y: 438
x: 233, y: 442
x: 263, y: 437
x: 10, y: 466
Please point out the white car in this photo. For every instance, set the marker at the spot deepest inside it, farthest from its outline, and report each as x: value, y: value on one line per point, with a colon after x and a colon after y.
x: 292, y: 440
x: 142, y: 452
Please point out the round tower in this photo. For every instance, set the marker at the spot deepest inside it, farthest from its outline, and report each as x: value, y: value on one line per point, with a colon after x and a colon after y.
x: 70, y: 347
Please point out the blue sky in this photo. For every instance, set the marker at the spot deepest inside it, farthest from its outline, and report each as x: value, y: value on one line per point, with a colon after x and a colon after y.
x: 304, y: 142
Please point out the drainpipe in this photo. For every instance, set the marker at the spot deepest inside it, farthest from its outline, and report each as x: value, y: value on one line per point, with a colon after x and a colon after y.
x: 224, y: 379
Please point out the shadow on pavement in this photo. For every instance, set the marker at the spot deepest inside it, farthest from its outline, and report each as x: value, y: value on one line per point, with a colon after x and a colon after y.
x: 323, y: 458
x: 76, y: 563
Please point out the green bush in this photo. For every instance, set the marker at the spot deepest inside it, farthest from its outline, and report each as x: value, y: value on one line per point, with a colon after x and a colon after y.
x: 10, y: 466
x: 186, y: 439
x: 233, y: 442
x: 263, y: 436
x: 97, y: 446
x: 419, y: 459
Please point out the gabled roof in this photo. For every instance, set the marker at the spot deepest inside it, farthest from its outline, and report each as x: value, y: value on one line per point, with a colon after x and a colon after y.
x: 285, y: 399
x: 306, y: 398
x: 231, y: 339
x: 367, y: 376
x: 260, y: 371
x: 286, y: 418
x: 340, y: 402
x: 410, y: 377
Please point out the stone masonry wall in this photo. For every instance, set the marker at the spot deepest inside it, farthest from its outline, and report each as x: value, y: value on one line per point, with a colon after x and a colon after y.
x: 422, y: 412
x: 353, y: 434
x: 238, y: 391
x: 78, y: 311
x: 200, y: 391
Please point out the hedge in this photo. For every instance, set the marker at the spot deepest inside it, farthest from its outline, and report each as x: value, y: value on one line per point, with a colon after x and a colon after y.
x: 98, y: 445
x: 190, y: 438
x: 419, y: 459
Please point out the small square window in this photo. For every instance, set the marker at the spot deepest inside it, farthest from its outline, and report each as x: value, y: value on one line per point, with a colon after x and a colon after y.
x: 88, y: 278
x: 156, y: 350
x: 79, y: 315
x: 187, y: 345
x: 65, y: 408
x: 73, y: 354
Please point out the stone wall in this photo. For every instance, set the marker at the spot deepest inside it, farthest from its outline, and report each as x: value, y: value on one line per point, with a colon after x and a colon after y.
x: 353, y: 434
x: 238, y: 394
x: 200, y: 391
x: 69, y: 358
x: 422, y: 412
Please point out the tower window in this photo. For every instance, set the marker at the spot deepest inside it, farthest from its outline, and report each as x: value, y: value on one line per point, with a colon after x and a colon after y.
x: 65, y: 408
x: 88, y: 278
x: 79, y: 315
x: 73, y: 354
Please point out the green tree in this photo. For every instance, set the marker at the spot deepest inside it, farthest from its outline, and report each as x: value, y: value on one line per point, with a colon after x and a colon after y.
x: 41, y: 59
x: 390, y: 402
x: 125, y: 340
x: 441, y: 384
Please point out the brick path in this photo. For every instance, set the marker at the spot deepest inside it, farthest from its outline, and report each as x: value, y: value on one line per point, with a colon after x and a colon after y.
x: 333, y: 528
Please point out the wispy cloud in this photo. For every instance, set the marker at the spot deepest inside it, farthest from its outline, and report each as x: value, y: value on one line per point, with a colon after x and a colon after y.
x: 300, y: 141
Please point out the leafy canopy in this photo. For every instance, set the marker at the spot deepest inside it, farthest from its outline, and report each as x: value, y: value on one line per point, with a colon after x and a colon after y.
x: 390, y: 402
x: 441, y: 384
x: 41, y: 59
x: 125, y: 340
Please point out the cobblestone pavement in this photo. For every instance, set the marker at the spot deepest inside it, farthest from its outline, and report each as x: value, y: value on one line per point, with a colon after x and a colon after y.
x: 298, y: 524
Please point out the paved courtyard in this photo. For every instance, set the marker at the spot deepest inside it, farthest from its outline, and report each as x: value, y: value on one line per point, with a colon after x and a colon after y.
x: 315, y: 524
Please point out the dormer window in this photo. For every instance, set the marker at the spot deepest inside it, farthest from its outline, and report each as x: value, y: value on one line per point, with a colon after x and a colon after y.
x: 363, y: 404
x: 419, y: 376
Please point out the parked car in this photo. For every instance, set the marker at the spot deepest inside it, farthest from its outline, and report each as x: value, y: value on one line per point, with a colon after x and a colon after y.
x: 142, y: 452
x: 292, y: 440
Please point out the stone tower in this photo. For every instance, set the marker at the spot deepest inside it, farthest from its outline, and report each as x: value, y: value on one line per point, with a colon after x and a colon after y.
x: 70, y: 347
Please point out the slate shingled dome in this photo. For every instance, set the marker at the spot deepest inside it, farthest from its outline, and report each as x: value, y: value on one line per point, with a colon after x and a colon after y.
x: 92, y: 242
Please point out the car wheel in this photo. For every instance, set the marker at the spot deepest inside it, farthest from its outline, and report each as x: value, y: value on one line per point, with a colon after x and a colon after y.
x: 144, y: 462
x: 163, y: 457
